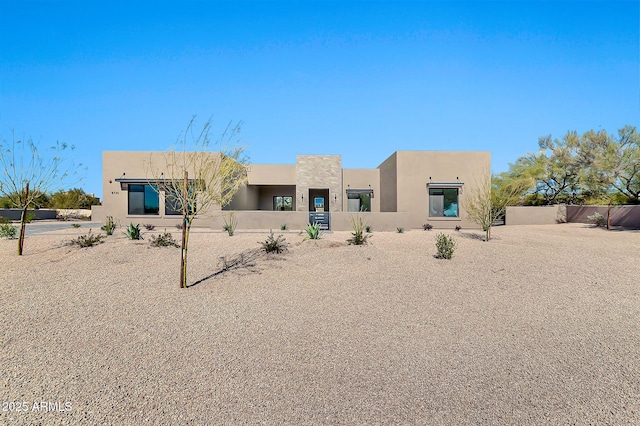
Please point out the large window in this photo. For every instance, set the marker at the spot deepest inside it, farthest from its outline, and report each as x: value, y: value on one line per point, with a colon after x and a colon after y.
x: 282, y: 203
x: 143, y: 199
x: 443, y: 202
x: 359, y: 201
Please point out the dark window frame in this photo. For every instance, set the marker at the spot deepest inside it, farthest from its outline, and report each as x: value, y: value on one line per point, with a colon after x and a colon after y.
x: 282, y: 203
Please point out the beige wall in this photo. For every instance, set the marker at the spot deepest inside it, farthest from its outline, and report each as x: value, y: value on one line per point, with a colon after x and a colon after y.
x: 389, y: 184
x: 297, y: 220
x: 361, y: 179
x: 416, y: 168
x: 137, y: 165
x: 272, y: 174
x: 535, y: 215
x: 261, y: 219
x: 246, y: 198
x: 379, y: 221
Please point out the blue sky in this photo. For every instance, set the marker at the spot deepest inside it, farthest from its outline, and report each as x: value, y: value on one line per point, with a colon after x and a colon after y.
x: 361, y: 79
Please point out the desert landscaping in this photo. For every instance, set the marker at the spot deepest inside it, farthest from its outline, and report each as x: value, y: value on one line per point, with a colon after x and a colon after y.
x: 537, y: 326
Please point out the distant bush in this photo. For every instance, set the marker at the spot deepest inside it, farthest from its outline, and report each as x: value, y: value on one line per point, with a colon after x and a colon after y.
x: 149, y: 227
x: 179, y: 225
x: 400, y: 230
x: 274, y: 244
x: 283, y: 227
x: 458, y: 227
x: 132, y: 232
x: 597, y: 219
x: 8, y: 231
x: 427, y: 227
x: 368, y: 228
x: 75, y: 225
x: 87, y: 240
x: 445, y: 245
x: 163, y: 240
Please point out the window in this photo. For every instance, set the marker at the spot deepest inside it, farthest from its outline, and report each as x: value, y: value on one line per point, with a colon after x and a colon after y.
x: 283, y: 203
x: 143, y: 199
x: 358, y: 201
x: 172, y: 205
x: 443, y: 202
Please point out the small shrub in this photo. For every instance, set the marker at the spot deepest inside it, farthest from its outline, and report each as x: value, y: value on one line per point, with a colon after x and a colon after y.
x: 230, y: 224
x: 109, y: 226
x: 75, y: 225
x: 8, y: 231
x: 597, y: 219
x: 368, y: 228
x: 400, y: 230
x: 29, y: 218
x: 163, y: 240
x: 149, y: 227
x: 4, y: 220
x: 179, y: 226
x: 458, y: 227
x: 132, y: 232
x: 313, y: 231
x: 274, y: 244
x: 283, y: 227
x: 427, y: 227
x: 445, y: 246
x: 359, y: 236
x: 87, y: 240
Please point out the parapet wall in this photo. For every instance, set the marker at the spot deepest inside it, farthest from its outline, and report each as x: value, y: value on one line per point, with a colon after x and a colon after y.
x: 624, y: 216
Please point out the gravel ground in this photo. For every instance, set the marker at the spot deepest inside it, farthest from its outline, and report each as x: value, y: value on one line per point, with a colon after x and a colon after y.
x: 538, y: 326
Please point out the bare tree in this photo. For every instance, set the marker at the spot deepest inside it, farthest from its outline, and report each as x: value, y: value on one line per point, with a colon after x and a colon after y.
x: 196, y: 179
x: 28, y: 173
x: 489, y: 198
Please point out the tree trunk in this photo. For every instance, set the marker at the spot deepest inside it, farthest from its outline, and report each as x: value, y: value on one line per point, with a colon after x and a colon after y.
x: 185, y: 239
x: 23, y: 220
x: 609, y: 215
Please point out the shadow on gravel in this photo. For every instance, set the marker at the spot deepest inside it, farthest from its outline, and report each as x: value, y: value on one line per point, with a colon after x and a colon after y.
x: 244, y: 262
x: 473, y: 236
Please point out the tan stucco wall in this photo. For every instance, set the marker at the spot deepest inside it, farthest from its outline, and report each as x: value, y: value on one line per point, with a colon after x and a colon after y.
x: 245, y: 199
x: 416, y: 168
x: 536, y: 215
x: 272, y: 174
x: 389, y: 184
x: 137, y: 165
x: 361, y: 179
x: 379, y: 221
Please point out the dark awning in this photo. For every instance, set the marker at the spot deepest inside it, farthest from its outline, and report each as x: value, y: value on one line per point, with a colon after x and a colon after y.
x: 445, y: 184
x: 359, y: 191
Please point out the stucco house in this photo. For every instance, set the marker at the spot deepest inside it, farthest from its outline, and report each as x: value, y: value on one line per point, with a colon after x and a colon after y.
x: 406, y: 190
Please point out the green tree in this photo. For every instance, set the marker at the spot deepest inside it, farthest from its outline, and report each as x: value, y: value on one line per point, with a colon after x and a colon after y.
x: 611, y: 165
x: 554, y: 169
x: 27, y: 173
x: 74, y: 198
x: 195, y: 179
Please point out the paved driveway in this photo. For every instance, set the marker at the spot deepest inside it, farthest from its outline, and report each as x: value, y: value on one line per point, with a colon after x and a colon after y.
x: 35, y: 228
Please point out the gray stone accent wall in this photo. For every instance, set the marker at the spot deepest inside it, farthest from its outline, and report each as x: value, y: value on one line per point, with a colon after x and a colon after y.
x: 319, y: 172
